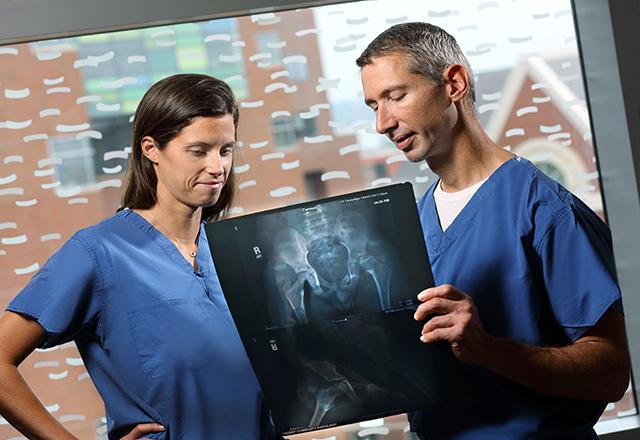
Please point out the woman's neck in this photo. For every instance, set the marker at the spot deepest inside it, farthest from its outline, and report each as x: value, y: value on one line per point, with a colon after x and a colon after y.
x: 178, y: 223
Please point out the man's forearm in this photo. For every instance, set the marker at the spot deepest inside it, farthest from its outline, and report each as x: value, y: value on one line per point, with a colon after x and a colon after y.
x: 594, y: 367
x: 591, y: 368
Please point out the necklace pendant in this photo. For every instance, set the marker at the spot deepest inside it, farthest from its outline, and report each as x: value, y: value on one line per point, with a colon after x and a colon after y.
x: 193, y: 254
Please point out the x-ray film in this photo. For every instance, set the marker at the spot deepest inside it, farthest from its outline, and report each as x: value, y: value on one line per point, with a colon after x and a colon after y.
x: 323, y: 295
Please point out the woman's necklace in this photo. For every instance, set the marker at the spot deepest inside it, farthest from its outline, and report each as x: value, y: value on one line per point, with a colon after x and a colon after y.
x: 192, y: 253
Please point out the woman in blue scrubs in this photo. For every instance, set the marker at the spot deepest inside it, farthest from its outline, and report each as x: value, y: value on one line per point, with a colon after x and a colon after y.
x: 139, y: 294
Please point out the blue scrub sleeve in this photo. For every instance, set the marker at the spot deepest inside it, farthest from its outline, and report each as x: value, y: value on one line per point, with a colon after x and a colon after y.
x: 64, y: 295
x: 579, y: 270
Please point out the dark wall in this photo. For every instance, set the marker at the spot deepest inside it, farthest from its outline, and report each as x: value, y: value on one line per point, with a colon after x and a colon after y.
x: 608, y: 34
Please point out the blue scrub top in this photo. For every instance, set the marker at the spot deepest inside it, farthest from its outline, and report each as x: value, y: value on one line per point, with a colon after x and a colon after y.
x: 156, y: 337
x: 539, y: 266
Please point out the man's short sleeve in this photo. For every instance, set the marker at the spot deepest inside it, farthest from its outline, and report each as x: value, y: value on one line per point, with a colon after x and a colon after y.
x: 579, y: 270
x: 63, y: 296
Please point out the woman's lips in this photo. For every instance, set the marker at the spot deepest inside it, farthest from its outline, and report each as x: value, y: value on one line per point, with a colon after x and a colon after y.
x: 212, y: 185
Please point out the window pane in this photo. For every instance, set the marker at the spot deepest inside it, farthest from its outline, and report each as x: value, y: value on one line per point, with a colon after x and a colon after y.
x: 64, y: 130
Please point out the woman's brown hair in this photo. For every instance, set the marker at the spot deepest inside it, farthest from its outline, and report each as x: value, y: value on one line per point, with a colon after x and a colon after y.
x: 170, y: 105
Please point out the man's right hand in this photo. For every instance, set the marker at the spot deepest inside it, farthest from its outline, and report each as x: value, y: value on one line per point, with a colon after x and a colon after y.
x: 456, y: 321
x: 144, y: 428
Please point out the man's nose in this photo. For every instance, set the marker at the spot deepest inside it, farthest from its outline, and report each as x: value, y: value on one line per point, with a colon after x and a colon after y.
x: 384, y: 120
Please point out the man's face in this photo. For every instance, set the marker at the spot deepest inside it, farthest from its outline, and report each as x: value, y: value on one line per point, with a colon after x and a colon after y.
x: 415, y: 114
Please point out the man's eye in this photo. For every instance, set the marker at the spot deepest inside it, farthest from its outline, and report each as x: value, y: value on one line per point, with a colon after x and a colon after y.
x: 396, y: 97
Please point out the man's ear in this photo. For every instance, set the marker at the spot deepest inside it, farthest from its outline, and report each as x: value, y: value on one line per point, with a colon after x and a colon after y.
x: 150, y: 149
x: 456, y: 78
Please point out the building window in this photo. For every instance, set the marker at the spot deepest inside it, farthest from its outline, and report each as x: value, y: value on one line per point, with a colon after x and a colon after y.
x: 76, y: 167
x: 109, y: 151
x: 290, y: 131
x: 305, y: 127
x: 380, y: 170
x: 552, y: 171
x: 270, y: 43
x: 298, y: 69
x: 284, y: 132
x: 316, y: 188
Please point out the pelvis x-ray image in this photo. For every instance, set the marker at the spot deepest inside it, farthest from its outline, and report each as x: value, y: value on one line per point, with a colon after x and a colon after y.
x: 323, y: 295
x: 326, y: 265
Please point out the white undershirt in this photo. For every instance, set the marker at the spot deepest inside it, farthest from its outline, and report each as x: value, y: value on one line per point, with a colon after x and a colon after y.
x: 449, y: 204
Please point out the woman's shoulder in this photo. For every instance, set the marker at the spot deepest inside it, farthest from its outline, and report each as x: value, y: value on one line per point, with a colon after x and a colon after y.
x: 105, y: 231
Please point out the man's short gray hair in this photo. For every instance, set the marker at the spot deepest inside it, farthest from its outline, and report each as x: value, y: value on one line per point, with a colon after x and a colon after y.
x: 429, y: 49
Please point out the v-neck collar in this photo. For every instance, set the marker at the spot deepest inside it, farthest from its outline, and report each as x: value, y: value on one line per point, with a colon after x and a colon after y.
x: 169, y: 247
x: 437, y: 240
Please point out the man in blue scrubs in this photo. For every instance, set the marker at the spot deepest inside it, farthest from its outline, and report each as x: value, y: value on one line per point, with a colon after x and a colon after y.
x: 526, y: 292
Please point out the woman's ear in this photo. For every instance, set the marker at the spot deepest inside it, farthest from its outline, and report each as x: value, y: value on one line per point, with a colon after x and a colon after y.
x: 457, y: 79
x: 150, y: 149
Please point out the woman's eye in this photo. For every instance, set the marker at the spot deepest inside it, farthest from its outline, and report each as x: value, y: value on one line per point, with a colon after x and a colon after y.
x: 197, y: 152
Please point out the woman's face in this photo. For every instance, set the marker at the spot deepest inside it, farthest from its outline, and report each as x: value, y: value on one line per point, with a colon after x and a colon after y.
x: 194, y: 166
